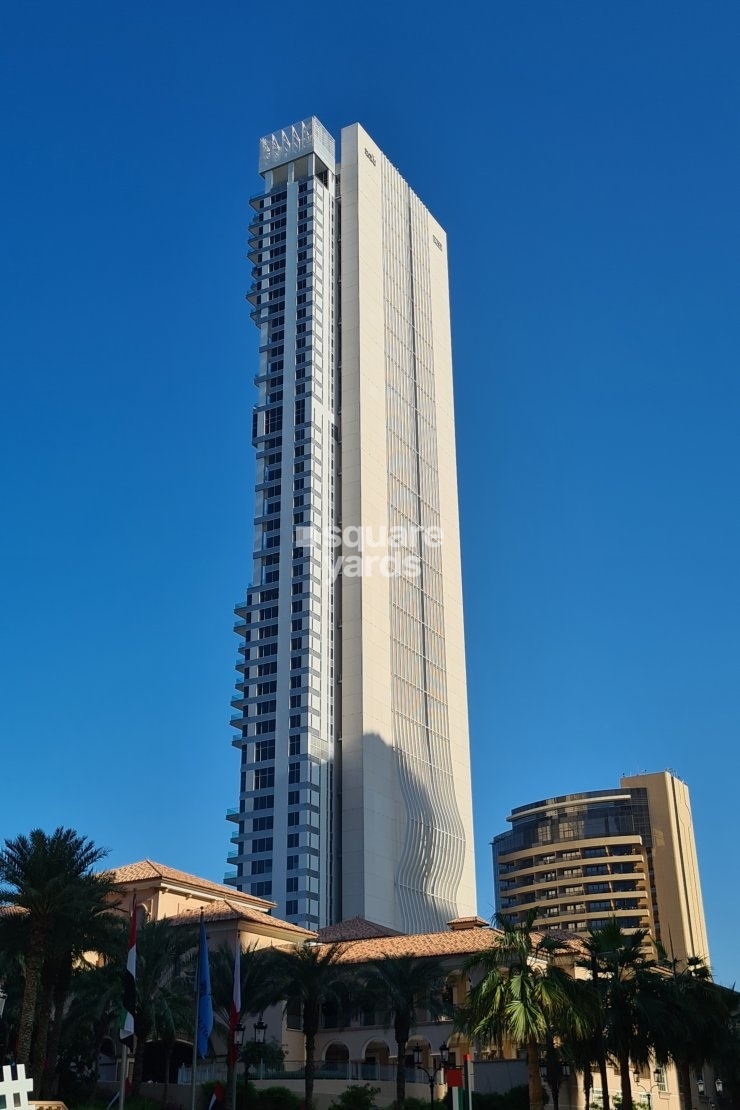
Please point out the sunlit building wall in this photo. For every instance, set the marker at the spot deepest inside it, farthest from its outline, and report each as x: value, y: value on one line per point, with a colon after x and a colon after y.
x: 351, y: 711
x: 579, y: 860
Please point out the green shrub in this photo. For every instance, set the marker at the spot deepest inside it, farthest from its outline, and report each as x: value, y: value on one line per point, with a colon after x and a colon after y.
x: 356, y: 1098
x: 516, y: 1098
x: 411, y: 1103
x: 276, y: 1098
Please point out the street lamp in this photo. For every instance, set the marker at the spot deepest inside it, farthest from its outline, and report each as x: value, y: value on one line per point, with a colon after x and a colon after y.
x: 700, y: 1085
x: 444, y: 1055
x: 553, y: 1070
x: 260, y: 1028
x: 237, y: 1039
x: 564, y: 1070
x: 657, y: 1076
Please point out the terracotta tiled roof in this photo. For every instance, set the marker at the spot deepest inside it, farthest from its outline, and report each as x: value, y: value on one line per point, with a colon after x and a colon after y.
x: 473, y: 922
x: 355, y: 928
x: 576, y: 942
x: 148, y: 871
x: 225, y: 910
x: 464, y: 942
x: 456, y: 942
x: 8, y: 909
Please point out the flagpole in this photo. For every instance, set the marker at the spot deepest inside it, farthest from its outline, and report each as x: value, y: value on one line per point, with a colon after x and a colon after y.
x: 235, y: 1019
x: 127, y: 1031
x: 195, y: 1023
x: 203, y: 1017
x: 124, y: 1071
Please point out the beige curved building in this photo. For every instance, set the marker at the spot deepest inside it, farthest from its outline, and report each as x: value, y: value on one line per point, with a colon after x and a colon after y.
x: 627, y: 853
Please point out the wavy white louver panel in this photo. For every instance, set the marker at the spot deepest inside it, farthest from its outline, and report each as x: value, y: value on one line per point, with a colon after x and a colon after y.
x: 433, y: 850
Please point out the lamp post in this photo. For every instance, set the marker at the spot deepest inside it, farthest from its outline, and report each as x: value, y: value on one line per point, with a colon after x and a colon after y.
x: 237, y: 1038
x: 444, y: 1054
x: 260, y: 1028
x: 657, y: 1076
x: 553, y: 1070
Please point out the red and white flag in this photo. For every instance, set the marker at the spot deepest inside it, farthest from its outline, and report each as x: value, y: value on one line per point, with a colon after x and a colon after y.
x: 236, y: 1004
x: 128, y: 1012
x: 217, y: 1096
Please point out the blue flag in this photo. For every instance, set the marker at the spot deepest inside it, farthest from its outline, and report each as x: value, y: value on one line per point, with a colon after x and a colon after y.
x: 205, y: 1001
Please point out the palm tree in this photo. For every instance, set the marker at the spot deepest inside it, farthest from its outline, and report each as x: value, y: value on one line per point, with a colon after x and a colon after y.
x: 94, y: 1006
x: 309, y: 976
x: 164, y: 988
x: 42, y: 875
x: 632, y: 1004
x: 697, y: 1017
x: 593, y: 1046
x: 255, y: 994
x: 12, y: 944
x: 87, y: 923
x: 726, y: 1053
x: 521, y: 997
x: 398, y: 986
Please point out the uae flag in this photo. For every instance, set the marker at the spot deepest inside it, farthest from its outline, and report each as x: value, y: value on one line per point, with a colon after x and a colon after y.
x: 128, y: 1013
x: 236, y: 1004
x: 217, y: 1096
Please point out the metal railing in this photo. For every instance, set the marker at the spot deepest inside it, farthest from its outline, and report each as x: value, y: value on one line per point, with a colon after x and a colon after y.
x: 349, y: 1070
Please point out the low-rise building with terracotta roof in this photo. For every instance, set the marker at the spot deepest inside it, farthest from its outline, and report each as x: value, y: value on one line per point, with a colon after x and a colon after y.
x: 164, y: 892
x: 362, y: 1047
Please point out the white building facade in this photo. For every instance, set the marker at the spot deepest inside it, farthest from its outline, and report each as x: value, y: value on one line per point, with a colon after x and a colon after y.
x: 355, y: 794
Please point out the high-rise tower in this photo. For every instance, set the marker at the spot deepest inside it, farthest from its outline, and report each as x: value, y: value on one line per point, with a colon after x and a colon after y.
x: 580, y: 860
x: 352, y: 714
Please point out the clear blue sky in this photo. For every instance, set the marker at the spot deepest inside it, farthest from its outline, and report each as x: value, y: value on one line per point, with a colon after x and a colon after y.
x: 584, y: 158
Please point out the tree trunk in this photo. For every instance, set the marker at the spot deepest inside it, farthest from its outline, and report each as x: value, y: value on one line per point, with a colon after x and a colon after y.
x: 683, y: 1071
x: 604, y: 1076
x: 588, y: 1083
x: 310, y: 1068
x: 167, y: 1061
x: 400, y: 1074
x: 138, y: 1073
x: 600, y: 1049
x: 34, y: 962
x: 536, y: 1095
x: 50, y: 1080
x: 42, y: 1023
x: 625, y: 1080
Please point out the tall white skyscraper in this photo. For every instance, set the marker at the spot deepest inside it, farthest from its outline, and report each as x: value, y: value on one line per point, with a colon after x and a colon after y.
x: 355, y: 794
